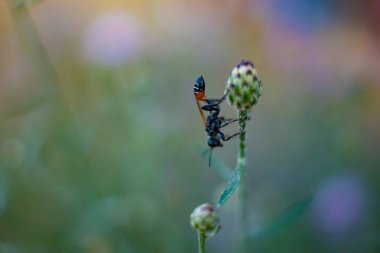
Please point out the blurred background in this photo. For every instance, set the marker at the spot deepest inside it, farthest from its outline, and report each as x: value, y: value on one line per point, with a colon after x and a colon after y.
x: 101, y: 142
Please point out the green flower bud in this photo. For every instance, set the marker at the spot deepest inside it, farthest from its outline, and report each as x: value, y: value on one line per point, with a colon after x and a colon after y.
x: 244, y: 86
x: 205, y: 219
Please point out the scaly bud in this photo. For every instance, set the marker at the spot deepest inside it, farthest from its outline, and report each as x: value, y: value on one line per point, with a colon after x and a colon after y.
x: 205, y: 219
x: 244, y: 87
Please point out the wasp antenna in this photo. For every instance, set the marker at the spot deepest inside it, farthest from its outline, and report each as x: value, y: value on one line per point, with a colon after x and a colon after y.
x: 209, y: 158
x: 205, y: 152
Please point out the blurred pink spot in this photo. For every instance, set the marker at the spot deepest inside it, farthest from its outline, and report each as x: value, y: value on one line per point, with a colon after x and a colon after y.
x: 340, y: 206
x: 113, y: 39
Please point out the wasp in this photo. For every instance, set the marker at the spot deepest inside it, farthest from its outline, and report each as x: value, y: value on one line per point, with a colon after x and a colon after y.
x: 213, y: 122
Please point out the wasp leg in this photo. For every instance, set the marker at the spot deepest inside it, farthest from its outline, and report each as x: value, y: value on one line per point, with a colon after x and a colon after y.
x: 213, y: 104
x: 213, y: 101
x: 224, y: 138
x: 217, y: 101
x: 228, y: 121
x: 211, y: 107
x: 229, y: 137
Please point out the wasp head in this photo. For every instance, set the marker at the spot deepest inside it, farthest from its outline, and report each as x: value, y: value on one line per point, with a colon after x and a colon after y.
x: 214, y: 142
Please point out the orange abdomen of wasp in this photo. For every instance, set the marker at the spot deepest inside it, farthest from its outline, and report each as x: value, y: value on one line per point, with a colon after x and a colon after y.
x: 200, y: 95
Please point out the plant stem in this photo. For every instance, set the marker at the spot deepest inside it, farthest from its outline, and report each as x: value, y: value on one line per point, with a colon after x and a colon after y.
x: 243, y: 187
x: 201, y: 242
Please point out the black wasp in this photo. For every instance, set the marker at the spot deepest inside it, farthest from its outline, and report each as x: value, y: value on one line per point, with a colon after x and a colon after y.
x: 213, y: 123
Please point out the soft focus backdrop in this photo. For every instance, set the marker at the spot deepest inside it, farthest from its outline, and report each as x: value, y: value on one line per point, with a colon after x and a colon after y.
x: 101, y: 140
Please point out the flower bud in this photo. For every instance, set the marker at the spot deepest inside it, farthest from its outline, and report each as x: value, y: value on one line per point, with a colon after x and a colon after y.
x: 244, y: 86
x: 205, y: 219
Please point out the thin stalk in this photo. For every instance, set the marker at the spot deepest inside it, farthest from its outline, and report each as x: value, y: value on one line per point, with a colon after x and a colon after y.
x: 243, y: 187
x: 201, y: 242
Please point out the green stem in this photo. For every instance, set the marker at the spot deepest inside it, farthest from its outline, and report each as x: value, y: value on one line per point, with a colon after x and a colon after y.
x: 243, y: 187
x: 201, y: 242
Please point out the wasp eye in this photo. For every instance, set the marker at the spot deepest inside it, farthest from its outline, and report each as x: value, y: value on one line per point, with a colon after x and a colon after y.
x: 199, y: 84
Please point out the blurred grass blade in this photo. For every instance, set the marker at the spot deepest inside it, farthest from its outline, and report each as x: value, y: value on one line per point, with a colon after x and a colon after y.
x: 285, y: 219
x: 25, y: 4
x: 230, y: 188
x: 31, y: 42
x: 222, y: 169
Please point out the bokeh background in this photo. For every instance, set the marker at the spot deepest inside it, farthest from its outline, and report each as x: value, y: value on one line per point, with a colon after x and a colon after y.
x: 101, y: 142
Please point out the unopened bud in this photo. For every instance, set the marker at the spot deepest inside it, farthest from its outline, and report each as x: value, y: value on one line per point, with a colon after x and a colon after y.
x: 244, y: 86
x: 205, y: 219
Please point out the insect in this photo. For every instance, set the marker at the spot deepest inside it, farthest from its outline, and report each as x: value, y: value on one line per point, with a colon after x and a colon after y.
x: 213, y: 123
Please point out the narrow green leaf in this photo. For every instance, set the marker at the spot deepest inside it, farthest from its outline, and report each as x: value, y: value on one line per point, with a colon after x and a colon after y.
x: 230, y: 188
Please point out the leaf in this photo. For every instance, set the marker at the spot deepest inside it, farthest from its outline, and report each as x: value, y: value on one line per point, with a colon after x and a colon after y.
x: 230, y: 188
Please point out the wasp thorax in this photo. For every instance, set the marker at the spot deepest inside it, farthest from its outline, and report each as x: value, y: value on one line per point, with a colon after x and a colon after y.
x: 244, y: 86
x: 204, y: 218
